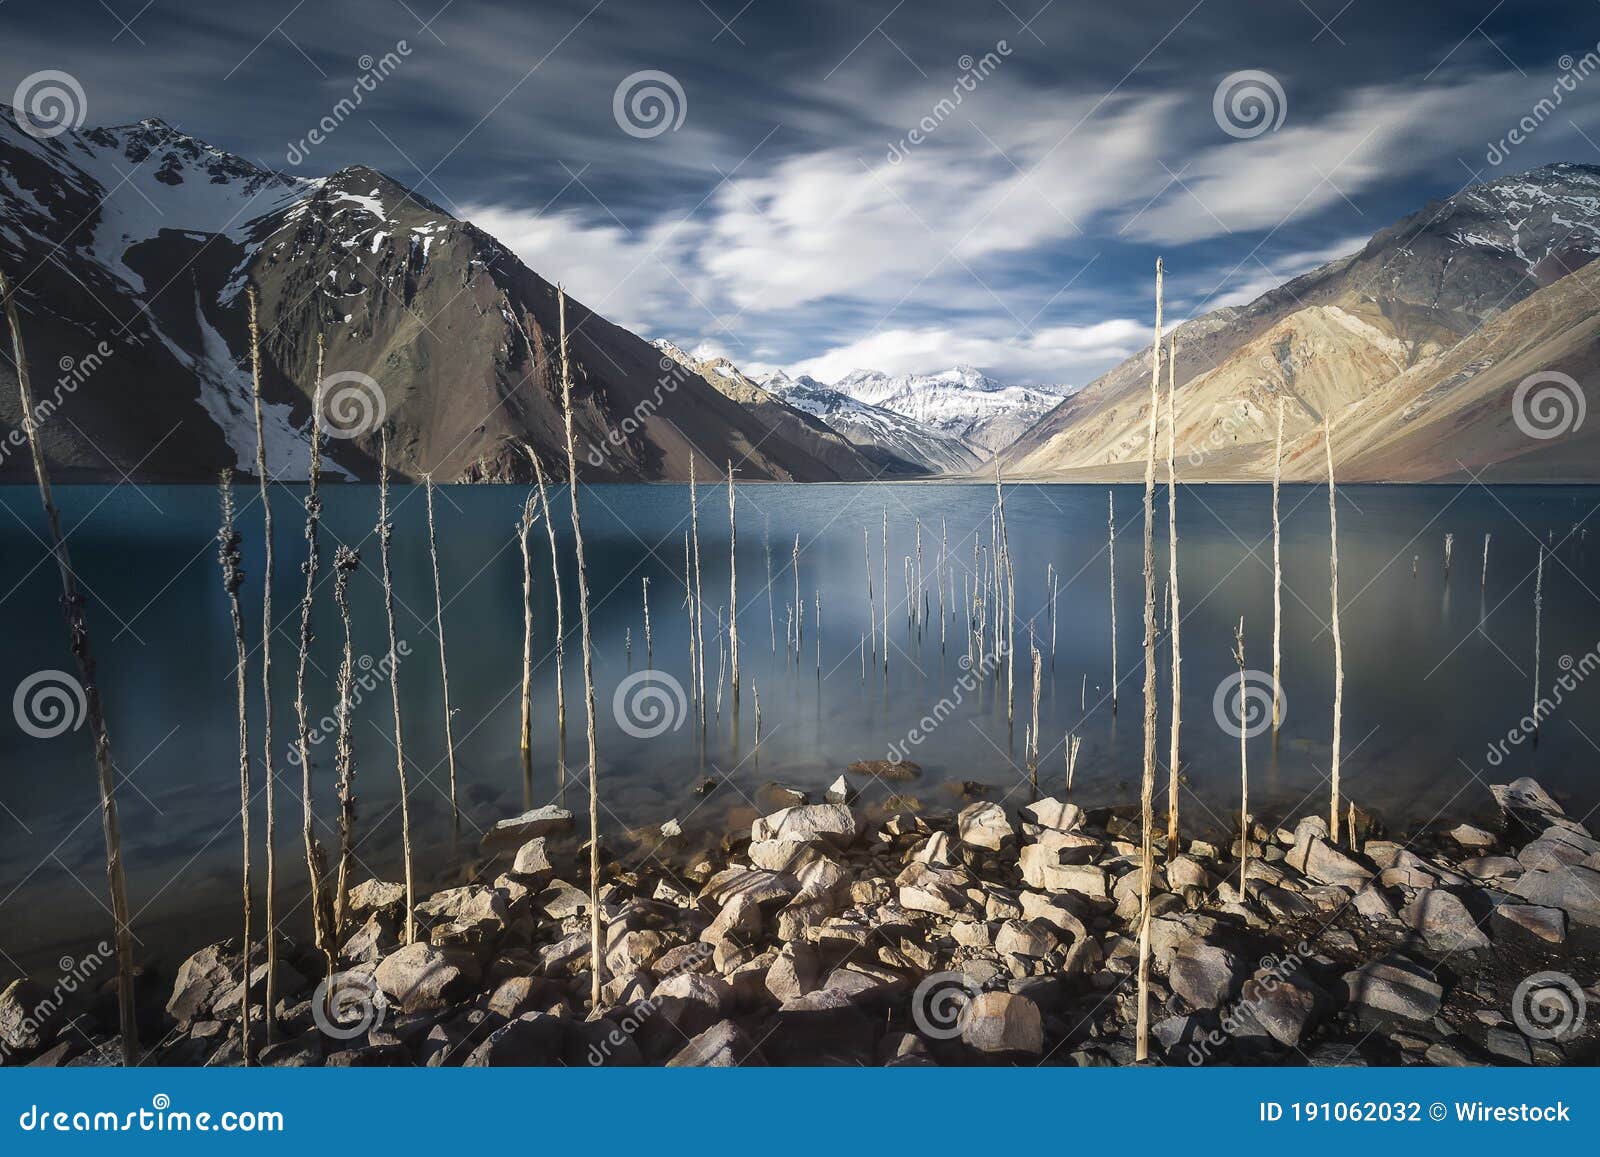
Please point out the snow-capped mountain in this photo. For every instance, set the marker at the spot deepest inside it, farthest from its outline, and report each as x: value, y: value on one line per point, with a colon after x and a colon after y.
x: 131, y: 247
x: 789, y: 425
x: 878, y: 426
x: 962, y: 403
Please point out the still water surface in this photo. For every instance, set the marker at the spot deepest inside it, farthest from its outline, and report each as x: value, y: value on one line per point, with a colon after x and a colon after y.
x: 1438, y: 669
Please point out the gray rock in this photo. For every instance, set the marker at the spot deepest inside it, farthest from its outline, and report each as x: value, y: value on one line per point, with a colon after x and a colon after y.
x: 840, y: 791
x: 691, y: 1001
x: 1573, y: 889
x: 832, y: 823
x: 534, y: 1038
x: 1323, y: 862
x: 1053, y: 813
x: 740, y: 916
x: 514, y: 996
x: 561, y: 899
x: 18, y: 1027
x: 1444, y: 922
x: 1473, y: 838
x: 1003, y: 1024
x: 375, y: 896
x: 794, y: 973
x: 1042, y: 869
x: 202, y: 979
x: 757, y: 885
x: 984, y: 825
x: 1546, y: 923
x: 287, y: 983
x: 1508, y: 1045
x: 1204, y: 975
x: 530, y: 824
x: 1387, y: 987
x: 533, y: 862
x: 722, y: 1046
x: 942, y: 891
x: 1372, y: 904
x: 422, y: 976
x: 1034, y: 938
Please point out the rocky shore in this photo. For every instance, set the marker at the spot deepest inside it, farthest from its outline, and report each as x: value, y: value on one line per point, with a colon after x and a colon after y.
x: 835, y: 934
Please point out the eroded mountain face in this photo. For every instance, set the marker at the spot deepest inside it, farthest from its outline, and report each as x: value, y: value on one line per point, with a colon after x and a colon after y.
x: 1410, y: 346
x: 132, y: 248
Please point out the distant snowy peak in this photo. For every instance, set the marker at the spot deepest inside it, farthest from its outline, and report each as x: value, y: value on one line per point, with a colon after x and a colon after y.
x: 875, y: 426
x: 961, y: 402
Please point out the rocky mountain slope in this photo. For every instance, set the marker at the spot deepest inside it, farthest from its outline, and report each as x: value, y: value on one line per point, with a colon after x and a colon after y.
x: 877, y: 428
x: 962, y: 403
x: 1415, y: 347
x: 132, y: 247
x: 797, y: 426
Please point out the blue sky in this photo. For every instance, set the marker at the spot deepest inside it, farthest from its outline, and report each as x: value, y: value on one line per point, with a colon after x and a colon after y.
x: 772, y: 225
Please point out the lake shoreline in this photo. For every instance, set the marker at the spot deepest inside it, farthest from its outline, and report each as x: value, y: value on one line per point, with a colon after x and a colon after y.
x: 829, y: 933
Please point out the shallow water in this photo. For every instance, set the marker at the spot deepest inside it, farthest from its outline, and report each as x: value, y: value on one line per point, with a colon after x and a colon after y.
x: 1436, y: 671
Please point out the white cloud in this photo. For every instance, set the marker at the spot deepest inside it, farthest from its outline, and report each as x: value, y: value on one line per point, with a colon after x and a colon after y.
x: 1059, y: 355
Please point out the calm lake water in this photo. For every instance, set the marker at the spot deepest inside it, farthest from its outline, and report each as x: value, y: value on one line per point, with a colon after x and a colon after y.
x: 1438, y: 669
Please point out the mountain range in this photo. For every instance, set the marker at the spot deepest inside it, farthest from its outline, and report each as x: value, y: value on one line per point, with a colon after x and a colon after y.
x: 1437, y: 351
x: 1461, y: 340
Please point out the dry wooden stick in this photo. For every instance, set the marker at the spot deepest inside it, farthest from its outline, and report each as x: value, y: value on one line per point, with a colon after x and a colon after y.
x: 596, y: 955
x: 384, y: 530
x: 267, y: 628
x: 346, y: 562
x: 228, y: 555
x: 555, y: 583
x: 1338, y: 639
x: 525, y: 524
x: 1172, y: 590
x: 1277, y: 580
x: 698, y: 601
x: 1111, y: 555
x: 1148, y: 781
x: 733, y: 593
x: 648, y: 650
x: 1244, y: 770
x: 444, y: 665
x: 316, y: 861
